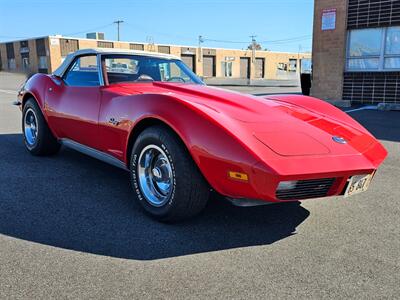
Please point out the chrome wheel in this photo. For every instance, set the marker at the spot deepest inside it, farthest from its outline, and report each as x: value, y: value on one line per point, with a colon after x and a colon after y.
x: 30, y: 127
x: 155, y: 175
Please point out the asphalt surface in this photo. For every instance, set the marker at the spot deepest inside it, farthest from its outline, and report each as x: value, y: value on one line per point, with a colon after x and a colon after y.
x: 70, y: 228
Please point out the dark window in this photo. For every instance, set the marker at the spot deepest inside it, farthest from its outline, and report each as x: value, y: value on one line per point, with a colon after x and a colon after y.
x: 40, y: 47
x: 102, y: 44
x: 83, y: 72
x: 10, y: 50
x: 164, y: 49
x: 136, y: 47
x: 23, y: 44
x: 68, y: 46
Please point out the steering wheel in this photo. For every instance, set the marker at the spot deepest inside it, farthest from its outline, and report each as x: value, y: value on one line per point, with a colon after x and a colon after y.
x: 176, y: 78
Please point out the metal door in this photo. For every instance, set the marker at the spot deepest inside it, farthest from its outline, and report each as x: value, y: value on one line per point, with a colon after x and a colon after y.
x: 244, y: 67
x: 259, y: 72
x: 188, y: 59
x: 208, y: 66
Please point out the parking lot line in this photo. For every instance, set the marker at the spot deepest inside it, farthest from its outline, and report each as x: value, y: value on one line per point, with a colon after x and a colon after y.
x: 8, y: 91
x: 368, y: 107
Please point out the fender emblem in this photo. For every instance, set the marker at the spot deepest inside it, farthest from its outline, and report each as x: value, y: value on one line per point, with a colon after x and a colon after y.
x: 113, y: 121
x: 339, y: 139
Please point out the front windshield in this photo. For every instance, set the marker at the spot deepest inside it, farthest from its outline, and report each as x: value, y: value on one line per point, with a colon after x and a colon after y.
x: 136, y: 68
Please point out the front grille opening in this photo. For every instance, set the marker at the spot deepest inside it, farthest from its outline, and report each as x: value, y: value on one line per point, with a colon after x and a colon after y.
x: 305, y: 189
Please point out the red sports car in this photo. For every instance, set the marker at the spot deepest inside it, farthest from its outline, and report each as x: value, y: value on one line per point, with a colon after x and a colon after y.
x: 148, y: 113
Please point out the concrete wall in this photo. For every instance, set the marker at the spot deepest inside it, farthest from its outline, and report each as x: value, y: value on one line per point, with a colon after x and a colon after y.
x: 329, y: 51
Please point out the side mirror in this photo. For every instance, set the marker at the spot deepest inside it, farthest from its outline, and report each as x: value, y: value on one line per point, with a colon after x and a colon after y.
x: 56, y: 79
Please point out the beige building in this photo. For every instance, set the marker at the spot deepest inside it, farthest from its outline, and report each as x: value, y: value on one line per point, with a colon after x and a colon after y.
x: 46, y: 54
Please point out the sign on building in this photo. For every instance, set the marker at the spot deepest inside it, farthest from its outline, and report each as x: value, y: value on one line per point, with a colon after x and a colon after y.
x: 328, y: 19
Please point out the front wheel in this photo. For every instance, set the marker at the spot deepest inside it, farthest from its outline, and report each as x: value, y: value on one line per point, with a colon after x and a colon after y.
x: 37, y: 136
x: 167, y: 182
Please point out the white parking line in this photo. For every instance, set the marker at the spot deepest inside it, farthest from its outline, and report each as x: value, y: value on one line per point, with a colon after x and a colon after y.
x: 9, y: 92
x: 369, y: 107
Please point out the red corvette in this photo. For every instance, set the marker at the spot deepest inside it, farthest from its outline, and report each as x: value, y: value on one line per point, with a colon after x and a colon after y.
x: 149, y: 114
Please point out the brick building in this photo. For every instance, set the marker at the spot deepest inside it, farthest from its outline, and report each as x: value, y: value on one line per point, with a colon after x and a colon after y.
x: 356, y: 50
x: 45, y: 54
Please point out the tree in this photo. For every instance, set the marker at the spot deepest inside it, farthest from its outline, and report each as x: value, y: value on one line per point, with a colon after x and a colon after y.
x: 257, y: 46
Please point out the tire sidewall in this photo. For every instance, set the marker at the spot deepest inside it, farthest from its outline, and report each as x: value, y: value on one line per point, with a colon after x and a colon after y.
x: 164, y: 210
x: 31, y: 105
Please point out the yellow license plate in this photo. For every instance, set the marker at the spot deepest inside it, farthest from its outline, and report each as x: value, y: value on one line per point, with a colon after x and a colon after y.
x: 358, y: 184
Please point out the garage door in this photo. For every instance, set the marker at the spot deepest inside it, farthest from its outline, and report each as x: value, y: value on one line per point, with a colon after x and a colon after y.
x: 189, y: 60
x: 259, y: 68
x: 208, y: 66
x: 244, y: 67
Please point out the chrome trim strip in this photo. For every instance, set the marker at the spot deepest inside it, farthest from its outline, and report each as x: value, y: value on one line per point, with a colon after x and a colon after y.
x: 107, y: 158
x: 100, y: 70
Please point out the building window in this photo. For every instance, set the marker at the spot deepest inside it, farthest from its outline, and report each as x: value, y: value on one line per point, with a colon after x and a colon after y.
x: 164, y: 49
x: 136, y: 47
x: 292, y: 65
x: 375, y: 49
x: 102, y: 44
x: 25, y: 63
x: 227, y: 68
x: 11, y: 64
x: 42, y: 62
x: 282, y: 66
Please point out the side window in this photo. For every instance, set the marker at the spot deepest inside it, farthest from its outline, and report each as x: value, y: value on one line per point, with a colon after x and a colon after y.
x: 121, y: 69
x: 83, y: 72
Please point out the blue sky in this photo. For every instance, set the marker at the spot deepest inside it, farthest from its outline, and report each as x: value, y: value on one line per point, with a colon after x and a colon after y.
x: 281, y: 25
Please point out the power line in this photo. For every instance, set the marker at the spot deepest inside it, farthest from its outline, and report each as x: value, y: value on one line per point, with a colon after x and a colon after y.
x: 288, y: 39
x: 298, y: 38
x: 88, y: 30
x: 226, y: 42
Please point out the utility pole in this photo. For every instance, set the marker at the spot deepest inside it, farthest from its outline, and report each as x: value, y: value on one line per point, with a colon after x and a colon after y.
x: 201, y: 40
x: 253, y: 48
x: 118, y: 22
x: 253, y: 56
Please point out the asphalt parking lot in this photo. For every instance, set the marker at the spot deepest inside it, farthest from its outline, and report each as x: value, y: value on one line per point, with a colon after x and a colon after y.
x: 69, y: 228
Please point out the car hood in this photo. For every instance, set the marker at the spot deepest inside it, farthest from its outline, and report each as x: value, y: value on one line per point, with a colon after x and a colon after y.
x: 286, y: 129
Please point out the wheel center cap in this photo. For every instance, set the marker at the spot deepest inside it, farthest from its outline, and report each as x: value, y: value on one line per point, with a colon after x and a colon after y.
x: 156, y: 173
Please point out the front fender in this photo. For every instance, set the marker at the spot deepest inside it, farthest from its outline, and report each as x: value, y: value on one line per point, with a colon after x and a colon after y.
x: 215, y: 149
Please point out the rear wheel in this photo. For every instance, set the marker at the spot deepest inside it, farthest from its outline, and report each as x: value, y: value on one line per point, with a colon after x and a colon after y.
x: 167, y: 182
x: 37, y: 136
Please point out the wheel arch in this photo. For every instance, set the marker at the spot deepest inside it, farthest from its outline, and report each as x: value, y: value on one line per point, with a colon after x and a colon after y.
x: 143, y: 124
x: 27, y: 96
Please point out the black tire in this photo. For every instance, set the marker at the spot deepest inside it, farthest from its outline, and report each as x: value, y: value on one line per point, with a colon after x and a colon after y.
x: 45, y: 143
x: 190, y: 192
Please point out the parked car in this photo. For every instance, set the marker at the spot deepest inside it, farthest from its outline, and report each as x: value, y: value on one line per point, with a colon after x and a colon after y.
x: 180, y: 139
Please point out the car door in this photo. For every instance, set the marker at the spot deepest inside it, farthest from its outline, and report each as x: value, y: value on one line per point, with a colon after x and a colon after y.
x: 73, y: 102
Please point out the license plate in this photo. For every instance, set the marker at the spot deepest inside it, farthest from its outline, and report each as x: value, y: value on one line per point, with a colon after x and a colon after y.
x: 358, y: 184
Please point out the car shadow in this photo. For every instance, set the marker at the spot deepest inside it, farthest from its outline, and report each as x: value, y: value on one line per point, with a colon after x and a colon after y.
x: 75, y: 202
x: 384, y: 125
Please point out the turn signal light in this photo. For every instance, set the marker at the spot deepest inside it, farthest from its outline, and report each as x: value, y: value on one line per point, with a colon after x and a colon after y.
x: 238, y: 176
